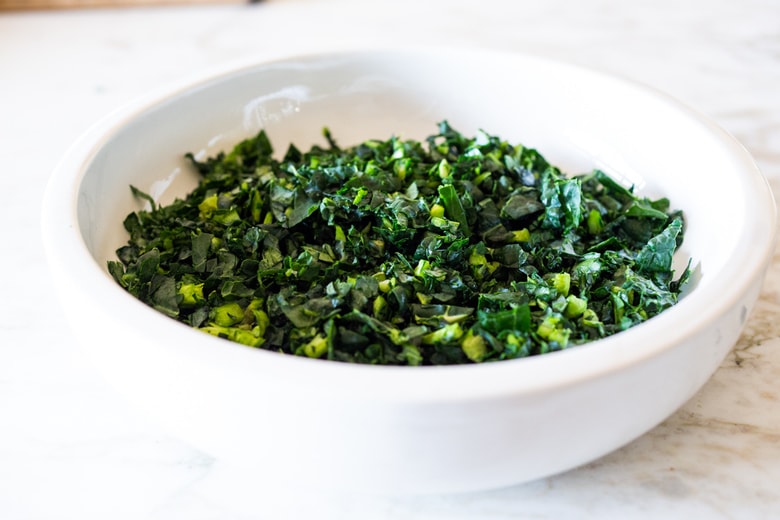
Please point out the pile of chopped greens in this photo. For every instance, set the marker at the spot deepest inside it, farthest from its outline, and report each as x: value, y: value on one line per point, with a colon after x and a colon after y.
x: 399, y: 252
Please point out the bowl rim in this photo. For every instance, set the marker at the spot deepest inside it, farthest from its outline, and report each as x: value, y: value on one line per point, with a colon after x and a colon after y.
x: 68, y: 256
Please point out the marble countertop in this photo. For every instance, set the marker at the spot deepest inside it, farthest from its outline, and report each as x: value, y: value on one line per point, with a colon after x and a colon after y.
x: 70, y: 447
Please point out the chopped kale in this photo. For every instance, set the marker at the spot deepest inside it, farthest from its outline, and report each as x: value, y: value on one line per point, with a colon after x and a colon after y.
x: 451, y: 250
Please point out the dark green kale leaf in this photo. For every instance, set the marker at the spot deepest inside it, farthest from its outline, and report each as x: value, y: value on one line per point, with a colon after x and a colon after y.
x: 452, y: 250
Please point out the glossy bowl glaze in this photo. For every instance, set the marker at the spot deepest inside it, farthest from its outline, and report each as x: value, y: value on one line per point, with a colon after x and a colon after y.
x: 412, y: 429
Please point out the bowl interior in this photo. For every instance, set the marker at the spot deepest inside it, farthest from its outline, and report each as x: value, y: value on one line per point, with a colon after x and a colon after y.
x: 578, y: 119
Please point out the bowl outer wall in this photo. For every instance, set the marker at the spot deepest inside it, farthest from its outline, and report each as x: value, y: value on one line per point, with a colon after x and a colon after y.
x: 399, y: 429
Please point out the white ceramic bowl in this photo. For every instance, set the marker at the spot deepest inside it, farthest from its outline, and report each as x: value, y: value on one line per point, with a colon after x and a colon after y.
x: 412, y: 429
